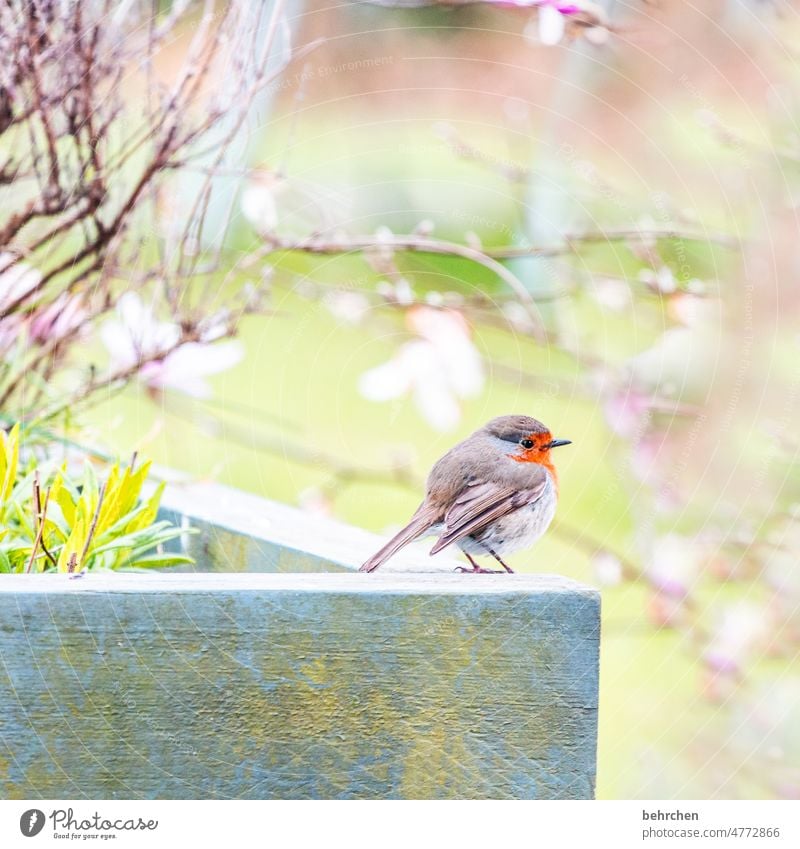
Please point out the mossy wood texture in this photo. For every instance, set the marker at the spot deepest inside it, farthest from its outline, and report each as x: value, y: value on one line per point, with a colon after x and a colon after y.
x: 297, y: 686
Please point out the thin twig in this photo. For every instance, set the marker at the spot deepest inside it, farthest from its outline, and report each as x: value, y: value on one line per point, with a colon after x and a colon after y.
x: 37, y: 541
x: 39, y: 517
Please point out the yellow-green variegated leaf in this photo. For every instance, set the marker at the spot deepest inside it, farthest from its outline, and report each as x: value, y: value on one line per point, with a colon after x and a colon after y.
x: 60, y: 494
x: 9, y: 457
x: 134, y: 489
x: 87, y: 504
x: 149, y: 511
x: 111, y: 509
x: 73, y: 545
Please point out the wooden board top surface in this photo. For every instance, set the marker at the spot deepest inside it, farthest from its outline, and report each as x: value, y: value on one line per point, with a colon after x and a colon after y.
x: 321, y: 582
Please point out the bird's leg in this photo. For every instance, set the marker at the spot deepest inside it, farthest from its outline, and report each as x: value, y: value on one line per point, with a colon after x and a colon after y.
x: 476, y: 569
x: 499, y: 560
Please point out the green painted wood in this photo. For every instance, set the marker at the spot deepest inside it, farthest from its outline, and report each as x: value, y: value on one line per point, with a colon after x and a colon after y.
x: 297, y: 686
x: 240, y: 532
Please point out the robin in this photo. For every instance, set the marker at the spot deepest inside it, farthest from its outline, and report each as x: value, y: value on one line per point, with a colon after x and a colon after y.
x: 493, y: 493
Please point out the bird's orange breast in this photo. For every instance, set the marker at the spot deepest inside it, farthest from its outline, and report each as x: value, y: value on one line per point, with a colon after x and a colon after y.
x: 533, y: 456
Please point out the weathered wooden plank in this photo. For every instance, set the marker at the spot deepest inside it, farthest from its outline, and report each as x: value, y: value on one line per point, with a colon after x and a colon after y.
x: 240, y: 532
x: 297, y: 686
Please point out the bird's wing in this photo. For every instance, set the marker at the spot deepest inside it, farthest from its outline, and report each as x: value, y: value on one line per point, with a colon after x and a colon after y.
x: 482, y: 503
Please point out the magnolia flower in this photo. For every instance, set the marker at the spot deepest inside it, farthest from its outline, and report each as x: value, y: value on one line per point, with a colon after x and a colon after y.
x: 610, y: 293
x: 186, y: 367
x: 662, y: 280
x: 258, y: 202
x: 647, y: 460
x: 347, y: 307
x: 666, y: 611
x: 607, y: 569
x: 16, y: 280
x: 52, y: 321
x: 138, y: 337
x: 740, y: 630
x: 674, y: 565
x: 693, y: 311
x: 11, y: 331
x: 627, y: 411
x: 58, y: 319
x: 438, y: 368
x: 551, y: 22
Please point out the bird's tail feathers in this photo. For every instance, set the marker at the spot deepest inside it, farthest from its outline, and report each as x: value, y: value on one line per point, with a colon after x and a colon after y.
x: 421, y: 521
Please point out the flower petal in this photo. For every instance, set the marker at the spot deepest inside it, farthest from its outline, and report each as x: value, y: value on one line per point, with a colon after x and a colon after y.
x: 551, y: 25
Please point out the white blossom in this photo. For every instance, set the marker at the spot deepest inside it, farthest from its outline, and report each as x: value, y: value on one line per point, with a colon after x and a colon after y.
x: 137, y: 336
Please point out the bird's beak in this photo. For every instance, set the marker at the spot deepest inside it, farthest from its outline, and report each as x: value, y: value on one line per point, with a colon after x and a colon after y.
x: 557, y: 443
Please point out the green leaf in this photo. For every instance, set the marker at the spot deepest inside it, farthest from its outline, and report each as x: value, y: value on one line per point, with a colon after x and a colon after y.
x: 149, y: 537
x: 24, y: 517
x: 159, y: 561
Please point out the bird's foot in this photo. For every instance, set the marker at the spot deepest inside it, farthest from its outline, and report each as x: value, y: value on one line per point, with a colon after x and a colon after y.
x: 476, y: 569
x: 499, y: 560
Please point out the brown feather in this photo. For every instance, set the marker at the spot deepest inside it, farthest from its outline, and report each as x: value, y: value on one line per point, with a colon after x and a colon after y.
x: 480, y: 505
x: 425, y: 517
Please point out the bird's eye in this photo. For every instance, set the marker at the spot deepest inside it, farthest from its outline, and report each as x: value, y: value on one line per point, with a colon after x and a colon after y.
x: 526, y: 443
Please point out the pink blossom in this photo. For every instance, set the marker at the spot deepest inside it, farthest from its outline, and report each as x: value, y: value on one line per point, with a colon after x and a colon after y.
x: 551, y: 14
x: 661, y: 280
x: 674, y: 565
x: 185, y: 368
x: 137, y: 336
x: 611, y: 294
x: 57, y: 319
x: 15, y: 280
x: 258, y: 202
x: 348, y: 307
x: 437, y: 368
x: 693, y: 311
x: 665, y: 611
x: 647, y: 463
x: 627, y: 411
x: 563, y: 8
x: 734, y: 638
x: 607, y: 569
x: 11, y: 331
